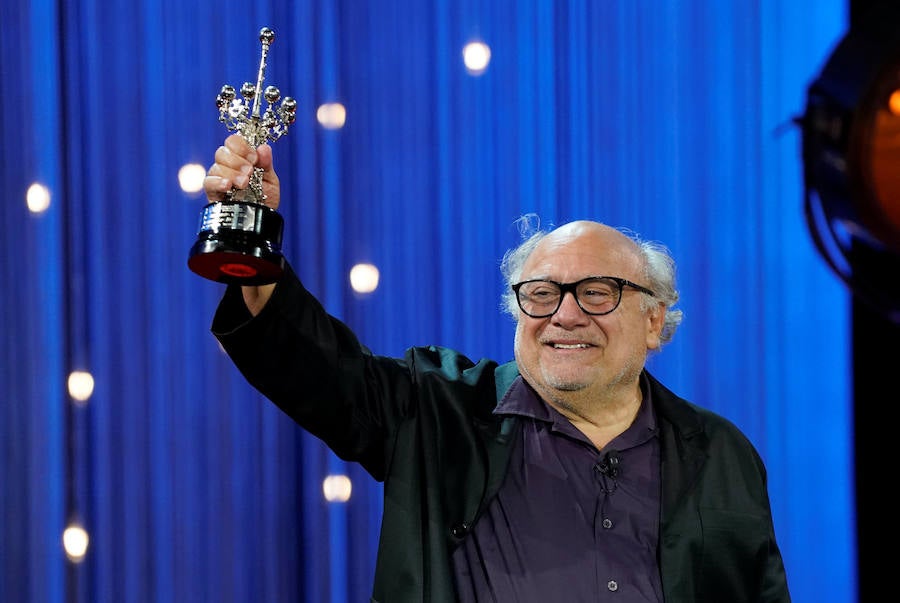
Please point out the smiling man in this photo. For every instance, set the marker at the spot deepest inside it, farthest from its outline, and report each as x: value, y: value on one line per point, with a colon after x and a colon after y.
x: 570, y: 474
x: 583, y: 352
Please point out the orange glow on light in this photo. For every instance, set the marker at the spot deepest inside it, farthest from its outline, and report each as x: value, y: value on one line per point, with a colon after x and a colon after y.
x: 894, y: 102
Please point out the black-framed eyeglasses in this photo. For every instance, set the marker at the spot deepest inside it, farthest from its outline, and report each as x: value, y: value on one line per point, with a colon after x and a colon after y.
x: 596, y: 295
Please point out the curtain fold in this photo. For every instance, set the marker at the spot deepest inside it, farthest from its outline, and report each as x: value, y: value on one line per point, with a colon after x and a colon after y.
x: 665, y: 117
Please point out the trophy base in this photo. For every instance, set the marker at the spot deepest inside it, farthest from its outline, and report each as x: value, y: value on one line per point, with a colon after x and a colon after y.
x: 238, y: 243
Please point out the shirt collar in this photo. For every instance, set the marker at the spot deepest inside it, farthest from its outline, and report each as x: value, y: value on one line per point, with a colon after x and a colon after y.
x: 521, y: 399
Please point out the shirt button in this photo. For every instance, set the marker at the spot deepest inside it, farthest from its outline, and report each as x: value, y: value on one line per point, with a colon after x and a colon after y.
x: 607, y: 523
x: 612, y: 585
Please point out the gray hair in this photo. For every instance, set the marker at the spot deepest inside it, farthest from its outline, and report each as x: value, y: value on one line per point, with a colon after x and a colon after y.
x: 658, y: 272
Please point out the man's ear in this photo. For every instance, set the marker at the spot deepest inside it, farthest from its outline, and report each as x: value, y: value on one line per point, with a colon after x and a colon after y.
x: 655, y: 319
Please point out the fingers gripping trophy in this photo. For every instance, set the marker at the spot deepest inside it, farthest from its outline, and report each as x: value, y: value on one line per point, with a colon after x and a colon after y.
x: 239, y: 238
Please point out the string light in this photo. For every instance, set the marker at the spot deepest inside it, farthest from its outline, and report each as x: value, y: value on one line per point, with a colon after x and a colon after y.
x: 81, y: 385
x: 37, y: 198
x: 190, y: 177
x: 476, y: 57
x: 337, y: 488
x: 364, y: 278
x: 331, y: 116
x: 75, y: 541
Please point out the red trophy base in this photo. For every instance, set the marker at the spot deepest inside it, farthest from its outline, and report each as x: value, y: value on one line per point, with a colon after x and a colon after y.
x: 238, y: 243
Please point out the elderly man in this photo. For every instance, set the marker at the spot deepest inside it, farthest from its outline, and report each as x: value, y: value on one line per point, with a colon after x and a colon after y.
x: 570, y: 474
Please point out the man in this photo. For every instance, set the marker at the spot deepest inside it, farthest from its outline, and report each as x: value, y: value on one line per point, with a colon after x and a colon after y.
x: 571, y: 474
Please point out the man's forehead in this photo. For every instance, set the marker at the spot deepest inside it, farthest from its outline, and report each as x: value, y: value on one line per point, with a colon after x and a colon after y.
x: 595, y: 251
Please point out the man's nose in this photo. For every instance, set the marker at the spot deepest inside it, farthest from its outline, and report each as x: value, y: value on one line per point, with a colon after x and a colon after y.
x: 569, y: 310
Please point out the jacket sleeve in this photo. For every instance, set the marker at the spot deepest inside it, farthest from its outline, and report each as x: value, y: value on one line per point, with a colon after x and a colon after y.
x: 313, y: 367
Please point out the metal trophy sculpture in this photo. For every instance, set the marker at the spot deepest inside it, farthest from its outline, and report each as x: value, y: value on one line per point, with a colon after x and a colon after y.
x: 239, y: 239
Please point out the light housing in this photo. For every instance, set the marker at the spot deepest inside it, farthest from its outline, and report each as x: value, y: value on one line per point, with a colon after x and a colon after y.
x: 851, y: 157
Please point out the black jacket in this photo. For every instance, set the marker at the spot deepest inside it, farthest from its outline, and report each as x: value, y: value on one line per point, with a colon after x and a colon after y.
x: 423, y: 425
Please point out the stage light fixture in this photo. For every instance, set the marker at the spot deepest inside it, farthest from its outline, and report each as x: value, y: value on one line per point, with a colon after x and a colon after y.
x: 851, y: 159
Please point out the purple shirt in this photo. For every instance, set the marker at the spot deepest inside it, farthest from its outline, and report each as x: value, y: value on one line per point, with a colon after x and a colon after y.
x: 560, y: 529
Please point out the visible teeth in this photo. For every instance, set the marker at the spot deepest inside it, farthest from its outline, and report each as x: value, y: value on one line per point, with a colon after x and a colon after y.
x: 566, y: 346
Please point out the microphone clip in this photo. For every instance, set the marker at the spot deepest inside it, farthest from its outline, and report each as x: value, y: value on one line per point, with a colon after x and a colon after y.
x: 608, y: 465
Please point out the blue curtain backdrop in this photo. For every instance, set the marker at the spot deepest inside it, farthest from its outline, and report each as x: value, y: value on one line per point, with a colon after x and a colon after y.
x: 669, y: 117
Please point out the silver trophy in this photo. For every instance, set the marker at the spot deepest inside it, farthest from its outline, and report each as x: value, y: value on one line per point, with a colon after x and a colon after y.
x: 239, y: 238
